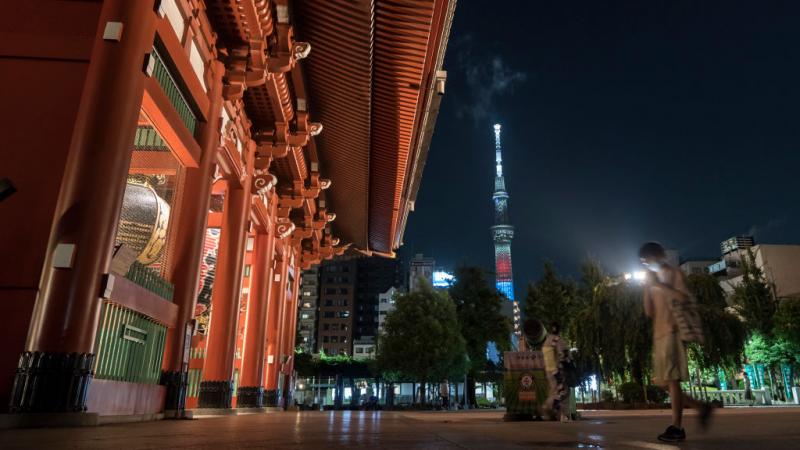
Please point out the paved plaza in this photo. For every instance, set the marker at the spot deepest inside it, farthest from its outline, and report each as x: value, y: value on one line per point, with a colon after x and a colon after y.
x: 751, y: 428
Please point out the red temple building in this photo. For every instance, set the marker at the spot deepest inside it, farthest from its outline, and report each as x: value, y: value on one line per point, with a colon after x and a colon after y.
x: 176, y: 165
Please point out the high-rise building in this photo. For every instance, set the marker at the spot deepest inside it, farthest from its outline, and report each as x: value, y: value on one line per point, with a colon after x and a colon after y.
x: 503, y: 233
x: 385, y: 306
x: 350, y: 287
x: 308, y: 309
x: 336, y: 306
x: 375, y: 276
x: 420, y: 268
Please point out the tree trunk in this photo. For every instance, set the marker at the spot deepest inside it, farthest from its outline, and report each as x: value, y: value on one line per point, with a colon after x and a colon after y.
x: 338, y: 393
x: 422, y: 393
x: 390, y: 395
x: 413, y: 393
x: 455, y: 397
x: 471, y: 400
x: 354, y: 394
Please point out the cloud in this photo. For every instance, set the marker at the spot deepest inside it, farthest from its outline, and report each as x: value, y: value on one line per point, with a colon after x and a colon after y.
x: 486, y: 82
x: 762, y: 230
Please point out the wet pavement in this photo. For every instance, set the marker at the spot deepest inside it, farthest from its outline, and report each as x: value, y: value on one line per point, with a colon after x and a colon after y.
x: 750, y: 428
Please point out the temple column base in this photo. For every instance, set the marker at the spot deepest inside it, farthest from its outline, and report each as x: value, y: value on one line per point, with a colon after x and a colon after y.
x: 271, y: 398
x: 250, y: 397
x: 176, y: 384
x: 215, y: 394
x: 49, y: 382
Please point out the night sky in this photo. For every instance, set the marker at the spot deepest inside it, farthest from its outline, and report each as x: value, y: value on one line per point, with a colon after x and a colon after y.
x: 674, y: 121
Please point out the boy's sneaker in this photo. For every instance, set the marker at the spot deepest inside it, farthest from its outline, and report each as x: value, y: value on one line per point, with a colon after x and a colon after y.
x: 672, y: 434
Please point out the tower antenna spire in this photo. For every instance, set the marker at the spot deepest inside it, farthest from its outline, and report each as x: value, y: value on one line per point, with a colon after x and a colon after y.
x: 503, y: 233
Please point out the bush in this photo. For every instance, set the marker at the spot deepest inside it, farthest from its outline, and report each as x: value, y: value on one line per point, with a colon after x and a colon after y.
x: 631, y: 392
x: 484, y: 403
x: 656, y: 394
x: 607, y: 396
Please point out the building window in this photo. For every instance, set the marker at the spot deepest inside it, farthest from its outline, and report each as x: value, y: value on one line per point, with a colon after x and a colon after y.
x: 359, y: 350
x: 334, y: 326
x: 304, y: 316
x: 343, y: 291
x: 326, y: 326
x: 344, y: 314
x: 330, y: 291
x: 247, y: 270
x: 334, y: 339
x: 325, y: 338
x: 328, y: 314
x: 343, y: 339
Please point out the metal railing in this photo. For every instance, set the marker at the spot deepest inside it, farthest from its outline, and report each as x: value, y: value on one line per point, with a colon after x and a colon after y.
x: 150, y: 280
x: 170, y: 87
x: 737, y: 396
x: 129, y: 346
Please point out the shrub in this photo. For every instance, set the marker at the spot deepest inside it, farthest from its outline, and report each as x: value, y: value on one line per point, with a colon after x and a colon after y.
x: 656, y: 394
x: 607, y: 396
x: 631, y: 392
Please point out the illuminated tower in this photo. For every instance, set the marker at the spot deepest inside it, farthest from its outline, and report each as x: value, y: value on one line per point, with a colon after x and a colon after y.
x: 503, y: 233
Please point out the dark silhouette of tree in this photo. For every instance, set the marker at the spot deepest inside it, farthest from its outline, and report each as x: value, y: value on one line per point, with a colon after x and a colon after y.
x: 422, y: 338
x: 479, y: 307
x: 551, y: 299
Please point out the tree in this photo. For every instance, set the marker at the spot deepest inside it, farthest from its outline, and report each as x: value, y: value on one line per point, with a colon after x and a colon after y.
x: 772, y: 352
x: 479, y: 309
x: 754, y: 299
x: 550, y: 300
x: 725, y: 333
x: 609, y: 329
x: 787, y: 320
x: 421, y: 337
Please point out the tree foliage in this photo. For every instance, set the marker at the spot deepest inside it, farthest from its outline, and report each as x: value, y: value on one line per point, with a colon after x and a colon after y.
x: 771, y: 350
x: 725, y: 333
x: 551, y: 299
x: 787, y: 320
x: 421, y: 338
x: 332, y: 365
x: 479, y: 309
x: 609, y: 328
x: 754, y: 298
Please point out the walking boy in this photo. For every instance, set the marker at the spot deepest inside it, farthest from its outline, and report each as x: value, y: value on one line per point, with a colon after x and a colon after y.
x: 664, y: 284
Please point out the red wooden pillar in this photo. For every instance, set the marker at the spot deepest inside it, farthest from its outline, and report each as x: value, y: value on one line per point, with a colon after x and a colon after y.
x: 188, y: 247
x: 288, y: 336
x: 216, y: 389
x: 276, y: 300
x: 251, y: 389
x: 54, y: 373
